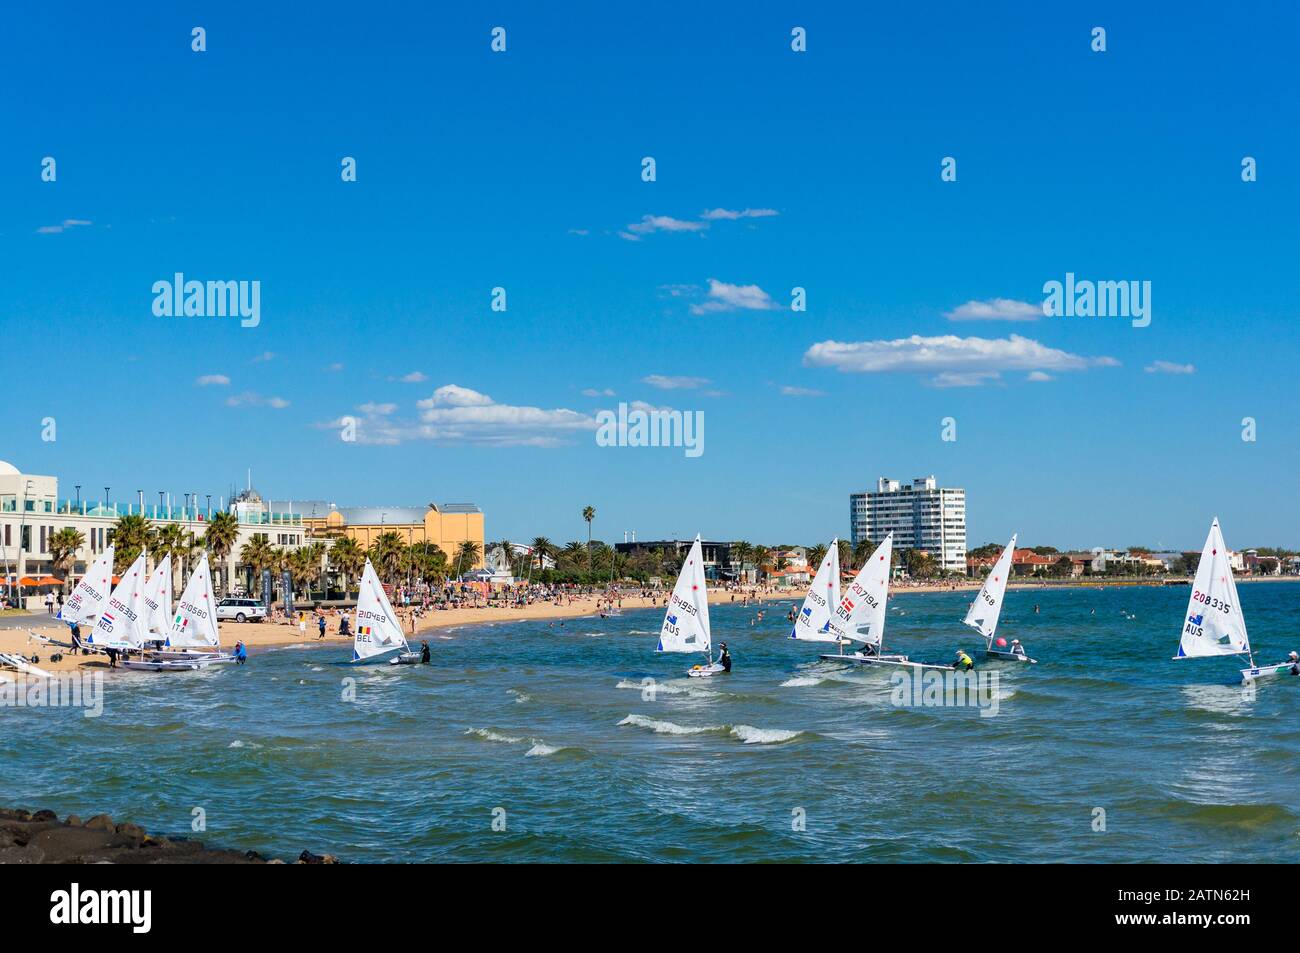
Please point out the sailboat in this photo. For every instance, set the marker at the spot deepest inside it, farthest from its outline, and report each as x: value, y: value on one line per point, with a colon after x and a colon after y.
x: 686, y: 623
x: 813, y: 621
x: 987, y: 607
x: 158, y: 602
x: 860, y: 615
x: 1215, y: 624
x: 88, y: 598
x: 377, y: 631
x: 121, y: 621
x: 192, y: 639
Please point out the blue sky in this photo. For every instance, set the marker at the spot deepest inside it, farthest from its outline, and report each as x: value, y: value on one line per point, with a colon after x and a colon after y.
x: 522, y: 170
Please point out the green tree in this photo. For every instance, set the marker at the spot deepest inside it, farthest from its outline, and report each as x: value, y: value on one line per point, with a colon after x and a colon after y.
x: 347, y: 558
x: 132, y: 535
x: 219, y: 540
x: 589, y: 514
x: 468, y: 554
x: 862, y: 552
x: 815, y: 556
x: 258, y: 554
x: 430, y: 563
x: 740, y: 553
x: 542, y: 548
x: 64, y: 544
x: 389, y: 555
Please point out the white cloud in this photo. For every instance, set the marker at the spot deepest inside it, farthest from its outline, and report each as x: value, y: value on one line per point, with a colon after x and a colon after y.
x: 459, y: 415
x: 958, y: 361
x: 663, y: 223
x: 263, y: 357
x: 578, y: 231
x: 415, y: 377
x: 598, y: 392
x: 789, y: 391
x: 664, y: 382
x: 716, y: 214
x: 727, y: 297
x: 250, y: 398
x: 334, y: 368
x: 65, y: 225
x: 1169, y: 367
x: 1039, y: 377
x: 211, y: 380
x: 996, y: 309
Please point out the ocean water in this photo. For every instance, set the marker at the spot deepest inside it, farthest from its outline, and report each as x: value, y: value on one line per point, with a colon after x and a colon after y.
x: 545, y: 730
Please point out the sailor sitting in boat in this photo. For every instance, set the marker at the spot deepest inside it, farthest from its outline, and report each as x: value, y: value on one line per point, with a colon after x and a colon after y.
x: 964, y: 662
x: 868, y: 649
x: 1294, y: 659
x: 724, y: 659
x: 1017, y: 648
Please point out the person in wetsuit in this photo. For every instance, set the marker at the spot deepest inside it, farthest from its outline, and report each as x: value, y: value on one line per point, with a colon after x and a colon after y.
x: 964, y: 662
x: 724, y: 659
x: 424, y: 653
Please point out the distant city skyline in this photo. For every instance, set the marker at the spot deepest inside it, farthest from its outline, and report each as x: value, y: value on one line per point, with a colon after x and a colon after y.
x: 515, y: 179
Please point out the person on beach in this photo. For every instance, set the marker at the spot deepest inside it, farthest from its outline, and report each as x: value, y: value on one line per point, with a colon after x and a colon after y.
x: 112, y: 657
x: 424, y: 653
x: 320, y: 621
x: 964, y: 662
x: 343, y: 626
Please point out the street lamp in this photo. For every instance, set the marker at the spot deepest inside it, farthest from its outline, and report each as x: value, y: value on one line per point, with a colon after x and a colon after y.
x: 106, y: 489
x: 209, y: 505
x: 78, y: 496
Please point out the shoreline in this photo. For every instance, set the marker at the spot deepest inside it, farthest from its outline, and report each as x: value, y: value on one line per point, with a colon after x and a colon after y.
x: 267, y: 635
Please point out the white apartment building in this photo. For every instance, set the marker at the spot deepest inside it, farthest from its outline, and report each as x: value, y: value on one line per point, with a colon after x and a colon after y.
x: 921, y: 516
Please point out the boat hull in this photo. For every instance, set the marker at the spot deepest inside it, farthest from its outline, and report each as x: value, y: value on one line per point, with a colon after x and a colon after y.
x: 707, y: 671
x: 896, y: 661
x: 1263, y: 671
x: 405, y: 658
x: 176, y: 664
x: 1009, y: 656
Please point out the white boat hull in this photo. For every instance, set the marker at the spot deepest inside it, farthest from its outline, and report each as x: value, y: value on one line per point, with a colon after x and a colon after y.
x: 898, y: 661
x: 706, y: 671
x: 177, y: 664
x: 1263, y: 671
x: 405, y: 658
x: 1009, y: 656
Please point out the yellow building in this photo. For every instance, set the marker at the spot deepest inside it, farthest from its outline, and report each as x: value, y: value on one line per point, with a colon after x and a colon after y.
x: 446, y: 525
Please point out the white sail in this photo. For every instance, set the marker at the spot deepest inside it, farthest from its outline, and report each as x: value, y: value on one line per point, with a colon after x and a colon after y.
x: 87, y: 600
x: 121, y: 622
x: 1214, y: 623
x: 862, y: 607
x: 823, y: 596
x: 158, y: 600
x: 686, y: 623
x: 984, y: 611
x: 194, y: 623
x: 377, y: 629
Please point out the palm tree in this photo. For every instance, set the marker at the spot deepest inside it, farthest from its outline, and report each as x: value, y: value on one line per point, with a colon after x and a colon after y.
x: 64, y: 544
x: 132, y: 535
x: 815, y: 556
x: 588, y: 514
x: 740, y: 553
x: 761, y: 556
x: 347, y: 558
x: 429, y: 563
x: 304, y: 565
x: 259, y: 555
x: 389, y: 555
x: 467, y: 554
x: 169, y: 540
x: 507, y: 552
x: 846, y: 554
x: 542, y: 547
x: 862, y: 552
x: 219, y: 539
